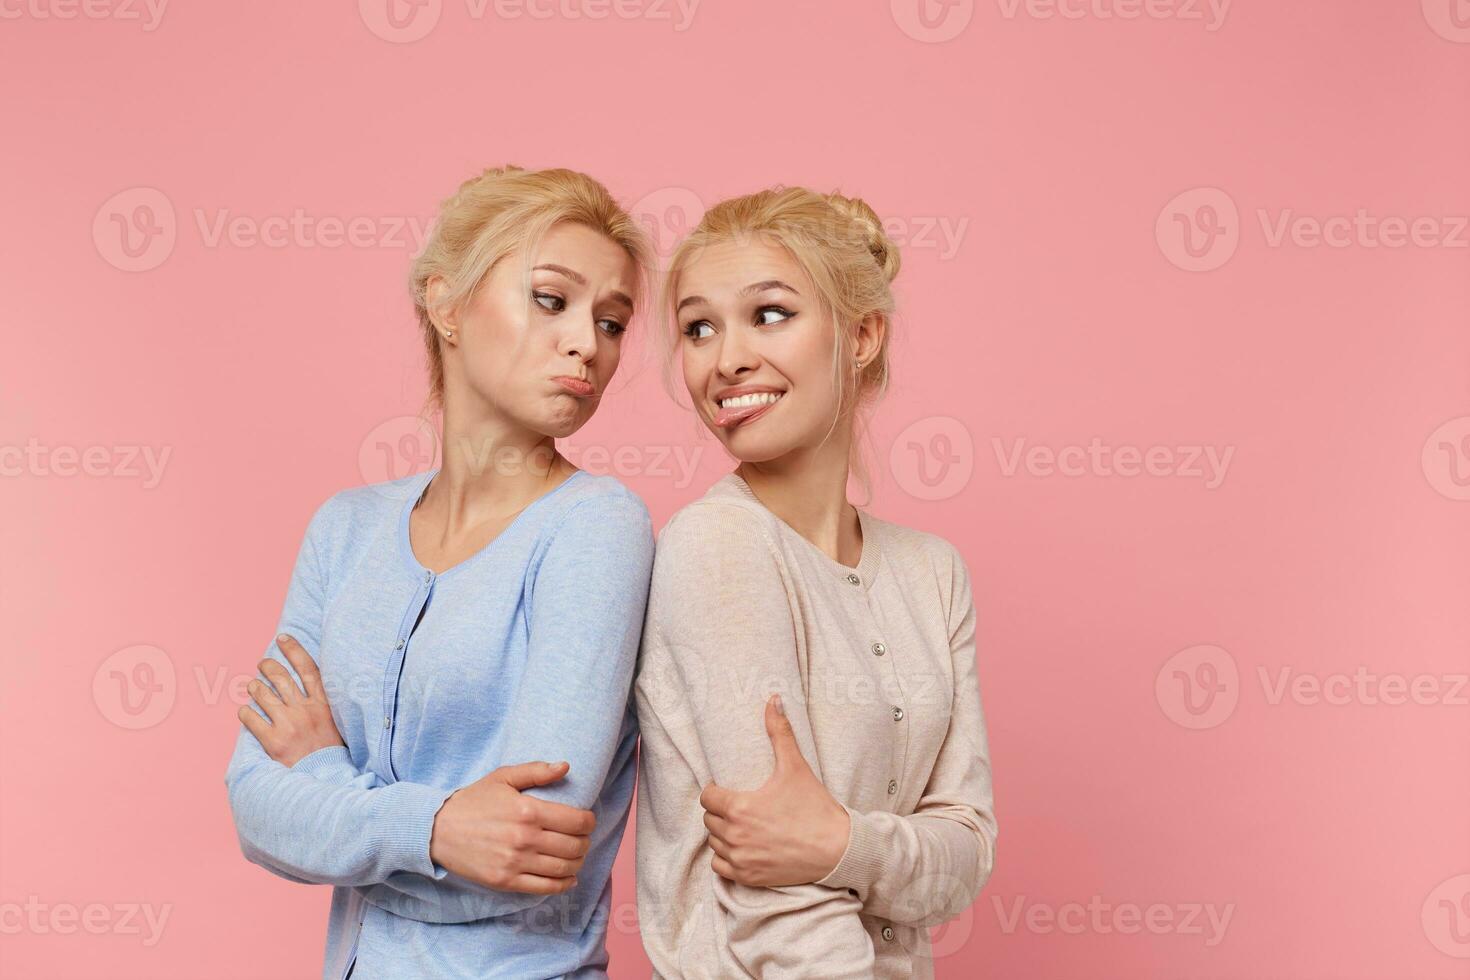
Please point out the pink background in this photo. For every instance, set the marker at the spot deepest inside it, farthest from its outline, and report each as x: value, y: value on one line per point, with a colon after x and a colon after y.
x: 1065, y: 155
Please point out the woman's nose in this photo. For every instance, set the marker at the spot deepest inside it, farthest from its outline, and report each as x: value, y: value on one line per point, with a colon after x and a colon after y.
x: 580, y: 337
x: 736, y: 354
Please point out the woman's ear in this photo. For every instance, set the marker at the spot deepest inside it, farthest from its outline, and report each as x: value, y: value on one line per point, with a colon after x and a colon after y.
x: 870, y: 332
x: 446, y: 322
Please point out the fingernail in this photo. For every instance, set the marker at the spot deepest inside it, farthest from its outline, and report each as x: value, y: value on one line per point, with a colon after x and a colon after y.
x: 282, y: 637
x: 780, y: 708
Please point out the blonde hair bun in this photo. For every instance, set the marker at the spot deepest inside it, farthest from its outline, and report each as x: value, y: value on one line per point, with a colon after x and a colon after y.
x: 880, y: 246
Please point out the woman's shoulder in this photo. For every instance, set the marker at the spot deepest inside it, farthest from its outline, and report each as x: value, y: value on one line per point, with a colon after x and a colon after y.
x: 723, y: 516
x: 915, y: 548
x: 597, y: 503
x: 593, y: 491
x: 362, y: 507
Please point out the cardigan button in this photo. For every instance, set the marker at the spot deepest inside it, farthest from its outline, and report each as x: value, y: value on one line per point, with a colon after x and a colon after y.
x: 888, y: 934
x: 879, y: 649
x: 854, y: 579
x: 399, y: 646
x: 387, y: 721
x: 897, y: 713
x: 892, y: 786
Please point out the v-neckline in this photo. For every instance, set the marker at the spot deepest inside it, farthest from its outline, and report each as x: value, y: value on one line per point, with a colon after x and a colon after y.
x: 405, y: 540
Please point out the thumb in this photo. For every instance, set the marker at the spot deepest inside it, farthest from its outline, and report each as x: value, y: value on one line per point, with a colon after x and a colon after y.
x: 783, y: 738
x: 528, y: 774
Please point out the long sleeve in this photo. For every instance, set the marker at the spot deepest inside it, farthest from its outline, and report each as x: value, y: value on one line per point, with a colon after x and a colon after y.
x: 305, y: 829
x: 928, y: 866
x: 586, y: 609
x: 721, y: 638
x: 585, y: 617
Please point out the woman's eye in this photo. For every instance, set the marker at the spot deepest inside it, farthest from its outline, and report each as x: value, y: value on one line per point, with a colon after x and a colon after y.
x: 696, y: 330
x: 612, y: 327
x: 549, y: 301
x: 767, y: 315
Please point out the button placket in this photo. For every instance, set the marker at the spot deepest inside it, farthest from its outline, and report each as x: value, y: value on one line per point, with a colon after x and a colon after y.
x: 395, y: 667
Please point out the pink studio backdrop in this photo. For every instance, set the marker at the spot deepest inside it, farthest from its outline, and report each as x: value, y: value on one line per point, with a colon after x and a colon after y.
x: 1182, y: 370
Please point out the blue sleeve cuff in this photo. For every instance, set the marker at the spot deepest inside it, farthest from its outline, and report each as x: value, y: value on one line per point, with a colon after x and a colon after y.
x: 408, y: 826
x: 326, y: 761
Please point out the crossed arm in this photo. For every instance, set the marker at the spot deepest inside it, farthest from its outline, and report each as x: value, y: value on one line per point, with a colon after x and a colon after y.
x: 454, y: 855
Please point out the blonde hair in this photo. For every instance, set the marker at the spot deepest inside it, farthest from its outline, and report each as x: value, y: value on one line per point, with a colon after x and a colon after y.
x: 492, y: 215
x: 840, y: 244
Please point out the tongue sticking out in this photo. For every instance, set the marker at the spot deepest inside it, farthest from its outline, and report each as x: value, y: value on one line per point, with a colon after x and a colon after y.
x: 727, y: 417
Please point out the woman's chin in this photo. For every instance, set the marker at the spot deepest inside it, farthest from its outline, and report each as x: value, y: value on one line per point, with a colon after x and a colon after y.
x: 752, y: 448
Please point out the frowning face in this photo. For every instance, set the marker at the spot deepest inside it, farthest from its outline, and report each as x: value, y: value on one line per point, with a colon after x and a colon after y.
x: 542, y: 352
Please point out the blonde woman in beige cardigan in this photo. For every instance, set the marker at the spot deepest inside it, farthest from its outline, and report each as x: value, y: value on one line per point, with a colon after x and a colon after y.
x: 814, y: 779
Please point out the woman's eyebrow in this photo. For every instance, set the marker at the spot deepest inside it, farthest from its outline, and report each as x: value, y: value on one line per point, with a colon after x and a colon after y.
x: 755, y: 287
x: 762, y: 286
x: 571, y: 274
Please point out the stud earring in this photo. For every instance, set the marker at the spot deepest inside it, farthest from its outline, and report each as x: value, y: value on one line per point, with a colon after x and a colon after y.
x: 448, y: 334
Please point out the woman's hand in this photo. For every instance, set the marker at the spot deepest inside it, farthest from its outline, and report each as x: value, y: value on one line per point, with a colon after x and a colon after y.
x: 789, y: 832
x: 491, y: 833
x: 300, y: 721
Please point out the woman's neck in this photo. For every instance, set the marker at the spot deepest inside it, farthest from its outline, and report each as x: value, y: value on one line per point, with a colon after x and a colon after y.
x: 491, y: 467
x: 808, y: 490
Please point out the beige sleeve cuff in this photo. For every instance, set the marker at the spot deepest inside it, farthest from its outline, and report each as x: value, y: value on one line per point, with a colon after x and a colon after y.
x: 863, y: 859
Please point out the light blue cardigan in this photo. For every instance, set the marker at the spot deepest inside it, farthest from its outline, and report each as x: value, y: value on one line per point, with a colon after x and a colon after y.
x: 524, y: 652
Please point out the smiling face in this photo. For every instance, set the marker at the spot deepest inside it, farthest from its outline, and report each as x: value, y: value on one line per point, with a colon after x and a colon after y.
x: 757, y: 349
x: 541, y: 353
